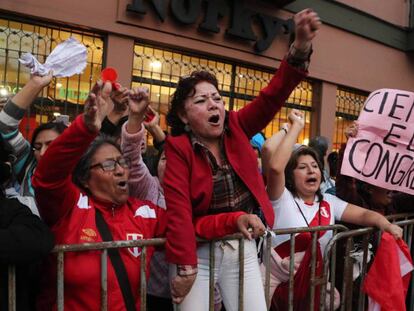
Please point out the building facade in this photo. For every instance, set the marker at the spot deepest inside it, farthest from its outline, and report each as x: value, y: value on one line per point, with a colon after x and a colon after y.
x: 362, y: 46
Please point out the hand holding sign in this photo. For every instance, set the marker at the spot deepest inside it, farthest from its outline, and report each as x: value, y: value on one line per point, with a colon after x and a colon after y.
x: 382, y: 151
x: 352, y: 130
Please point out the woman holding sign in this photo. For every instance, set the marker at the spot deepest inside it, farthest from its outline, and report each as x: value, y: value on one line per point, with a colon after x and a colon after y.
x: 358, y: 192
x: 293, y: 180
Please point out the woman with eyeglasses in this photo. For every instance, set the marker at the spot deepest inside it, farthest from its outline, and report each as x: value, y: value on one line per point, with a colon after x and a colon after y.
x: 27, y: 154
x: 81, y: 185
x: 80, y: 182
x: 212, y: 169
x: 293, y: 184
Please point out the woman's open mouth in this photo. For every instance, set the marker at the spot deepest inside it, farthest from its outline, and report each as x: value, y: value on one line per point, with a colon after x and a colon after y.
x: 122, y: 185
x: 311, y: 181
x: 214, y: 120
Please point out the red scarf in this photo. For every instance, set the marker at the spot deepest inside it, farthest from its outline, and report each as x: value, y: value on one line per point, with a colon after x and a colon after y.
x: 301, y: 290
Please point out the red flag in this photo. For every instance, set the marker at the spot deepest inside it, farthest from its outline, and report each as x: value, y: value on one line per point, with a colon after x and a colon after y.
x: 389, y: 276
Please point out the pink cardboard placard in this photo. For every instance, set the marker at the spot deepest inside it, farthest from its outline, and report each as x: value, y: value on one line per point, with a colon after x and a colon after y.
x: 382, y: 153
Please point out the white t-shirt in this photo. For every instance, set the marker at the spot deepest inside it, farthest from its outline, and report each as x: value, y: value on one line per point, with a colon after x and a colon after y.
x: 287, y: 214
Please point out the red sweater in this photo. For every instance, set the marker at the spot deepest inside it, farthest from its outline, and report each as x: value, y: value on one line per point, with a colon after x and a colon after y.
x: 188, y: 181
x: 71, y: 215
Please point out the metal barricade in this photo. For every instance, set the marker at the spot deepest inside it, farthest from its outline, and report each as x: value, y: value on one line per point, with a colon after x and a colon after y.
x: 366, y: 235
x: 340, y: 233
x: 314, y: 281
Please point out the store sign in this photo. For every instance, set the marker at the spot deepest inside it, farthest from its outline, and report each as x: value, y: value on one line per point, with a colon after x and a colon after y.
x: 72, y: 94
x: 241, y: 18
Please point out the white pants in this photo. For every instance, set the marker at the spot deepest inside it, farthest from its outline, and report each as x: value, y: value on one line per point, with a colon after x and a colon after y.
x: 226, y: 276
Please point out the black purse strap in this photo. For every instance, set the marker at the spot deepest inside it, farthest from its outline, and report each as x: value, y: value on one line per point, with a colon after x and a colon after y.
x: 117, y: 262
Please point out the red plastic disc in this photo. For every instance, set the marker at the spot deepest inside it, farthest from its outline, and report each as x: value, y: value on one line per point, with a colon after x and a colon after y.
x: 149, y: 115
x: 109, y: 74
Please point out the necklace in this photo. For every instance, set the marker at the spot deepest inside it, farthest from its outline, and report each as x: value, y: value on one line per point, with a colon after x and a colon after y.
x: 303, y: 215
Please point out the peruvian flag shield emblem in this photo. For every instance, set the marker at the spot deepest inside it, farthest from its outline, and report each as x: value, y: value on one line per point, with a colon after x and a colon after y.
x: 135, y: 251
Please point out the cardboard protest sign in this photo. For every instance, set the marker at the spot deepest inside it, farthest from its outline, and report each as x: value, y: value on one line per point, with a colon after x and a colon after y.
x: 382, y: 154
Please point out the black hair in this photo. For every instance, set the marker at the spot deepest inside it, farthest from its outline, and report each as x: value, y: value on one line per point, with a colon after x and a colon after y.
x: 293, y: 163
x: 81, y: 173
x: 185, y: 88
x: 58, y: 127
x: 6, y: 153
x: 333, y: 163
x: 320, y: 145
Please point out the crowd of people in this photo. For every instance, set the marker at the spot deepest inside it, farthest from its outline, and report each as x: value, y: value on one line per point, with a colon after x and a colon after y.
x: 90, y: 182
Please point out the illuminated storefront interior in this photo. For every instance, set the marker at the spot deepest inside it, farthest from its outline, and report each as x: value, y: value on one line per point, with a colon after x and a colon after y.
x: 64, y: 95
x: 159, y: 70
x: 349, y: 104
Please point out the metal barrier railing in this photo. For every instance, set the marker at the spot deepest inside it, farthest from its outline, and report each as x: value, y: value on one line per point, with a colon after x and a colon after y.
x: 314, y: 281
x: 339, y: 232
x: 348, y: 283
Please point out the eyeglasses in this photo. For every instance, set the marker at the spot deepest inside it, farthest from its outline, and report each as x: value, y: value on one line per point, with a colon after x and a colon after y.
x: 110, y: 165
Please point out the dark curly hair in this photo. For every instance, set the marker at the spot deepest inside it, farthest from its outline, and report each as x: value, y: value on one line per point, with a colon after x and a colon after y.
x: 185, y: 88
x: 293, y: 163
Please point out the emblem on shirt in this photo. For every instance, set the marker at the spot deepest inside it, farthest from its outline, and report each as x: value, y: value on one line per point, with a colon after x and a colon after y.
x: 88, y: 234
x: 324, y: 212
x: 135, y: 251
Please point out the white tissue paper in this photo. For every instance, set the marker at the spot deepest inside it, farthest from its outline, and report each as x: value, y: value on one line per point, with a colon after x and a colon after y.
x: 67, y: 59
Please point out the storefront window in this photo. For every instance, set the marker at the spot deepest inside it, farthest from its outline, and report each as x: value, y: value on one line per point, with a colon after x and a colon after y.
x: 349, y: 104
x: 160, y: 69
x: 64, y: 95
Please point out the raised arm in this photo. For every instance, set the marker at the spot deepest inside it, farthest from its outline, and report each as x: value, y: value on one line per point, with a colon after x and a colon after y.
x: 346, y: 186
x: 14, y: 112
x: 142, y: 184
x: 281, y: 156
x: 24, y: 98
x: 270, y: 146
x: 255, y: 116
x: 154, y: 129
x: 55, y: 192
x: 120, y: 110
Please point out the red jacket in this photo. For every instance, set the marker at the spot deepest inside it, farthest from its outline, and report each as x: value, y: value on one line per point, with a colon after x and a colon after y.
x: 188, y: 182
x: 71, y: 215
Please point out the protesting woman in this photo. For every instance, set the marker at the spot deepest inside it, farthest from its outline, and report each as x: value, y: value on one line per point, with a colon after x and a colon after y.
x: 27, y: 154
x: 293, y: 185
x: 24, y: 241
x: 92, y: 204
x: 211, y: 169
x: 86, y: 205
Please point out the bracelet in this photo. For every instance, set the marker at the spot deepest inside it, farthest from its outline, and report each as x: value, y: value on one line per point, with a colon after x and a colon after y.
x: 283, y: 129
